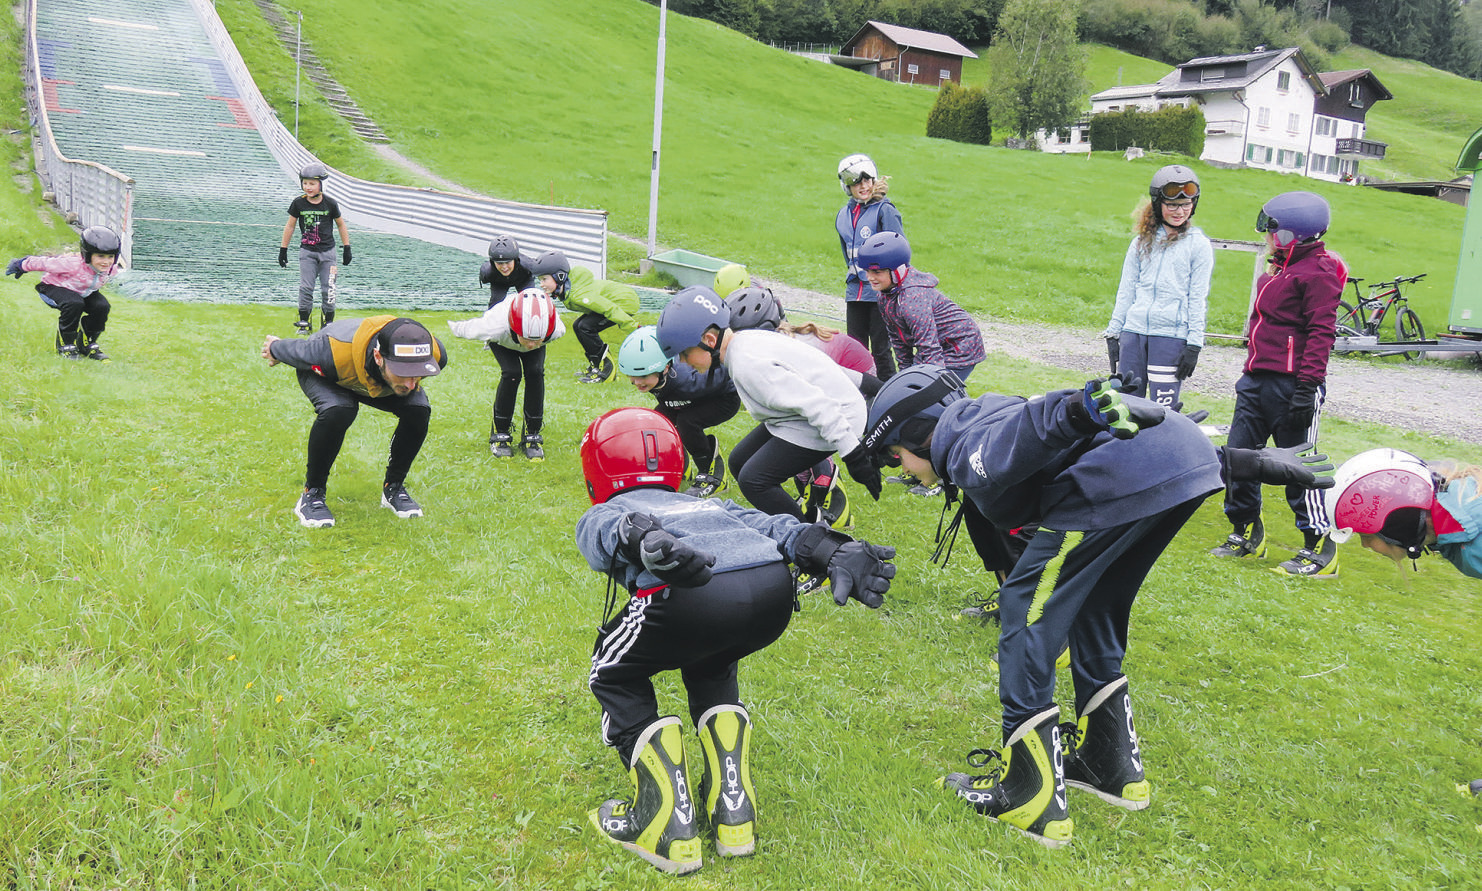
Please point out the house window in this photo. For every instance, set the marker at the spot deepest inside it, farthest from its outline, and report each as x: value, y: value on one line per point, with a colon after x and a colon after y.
x: 1293, y: 123
x: 1323, y: 126
x: 1358, y: 130
x: 1355, y: 95
x: 1319, y: 164
x: 1263, y: 118
x: 1283, y: 81
x: 1209, y: 74
x: 1333, y: 164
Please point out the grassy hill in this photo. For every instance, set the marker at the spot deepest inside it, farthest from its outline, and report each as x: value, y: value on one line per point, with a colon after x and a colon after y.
x: 198, y: 693
x: 752, y: 138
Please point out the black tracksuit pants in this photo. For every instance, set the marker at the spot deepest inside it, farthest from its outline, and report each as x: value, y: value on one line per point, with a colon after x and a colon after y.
x: 514, y: 366
x: 335, y: 410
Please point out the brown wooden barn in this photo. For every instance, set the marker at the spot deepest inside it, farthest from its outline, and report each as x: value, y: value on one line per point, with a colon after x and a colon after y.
x: 904, y: 55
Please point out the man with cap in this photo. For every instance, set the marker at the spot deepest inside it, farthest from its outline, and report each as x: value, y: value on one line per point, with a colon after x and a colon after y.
x: 380, y: 362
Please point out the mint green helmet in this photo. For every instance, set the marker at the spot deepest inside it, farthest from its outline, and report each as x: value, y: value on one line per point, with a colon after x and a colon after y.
x: 640, y: 354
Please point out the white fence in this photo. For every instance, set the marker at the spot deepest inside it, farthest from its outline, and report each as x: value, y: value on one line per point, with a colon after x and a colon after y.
x: 88, y: 194
x: 458, y: 221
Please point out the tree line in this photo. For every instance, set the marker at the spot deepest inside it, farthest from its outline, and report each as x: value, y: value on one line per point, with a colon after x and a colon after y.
x: 1446, y: 34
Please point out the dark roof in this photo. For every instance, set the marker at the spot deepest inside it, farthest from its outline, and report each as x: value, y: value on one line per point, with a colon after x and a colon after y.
x: 914, y: 39
x: 1332, y: 79
x: 1185, y: 80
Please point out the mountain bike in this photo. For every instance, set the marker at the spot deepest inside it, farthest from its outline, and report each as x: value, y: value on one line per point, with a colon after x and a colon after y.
x: 1366, y: 314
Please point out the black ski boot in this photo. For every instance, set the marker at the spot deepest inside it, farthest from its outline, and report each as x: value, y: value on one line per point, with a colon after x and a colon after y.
x: 725, y: 787
x: 1101, y: 752
x: 658, y: 824
x: 1025, y: 783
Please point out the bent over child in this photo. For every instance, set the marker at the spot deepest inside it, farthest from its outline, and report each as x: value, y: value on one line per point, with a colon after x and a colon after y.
x: 708, y: 585
x: 69, y: 284
x: 516, y: 331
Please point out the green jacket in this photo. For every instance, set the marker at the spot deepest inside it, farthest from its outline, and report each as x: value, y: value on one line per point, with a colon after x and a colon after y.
x: 585, y: 293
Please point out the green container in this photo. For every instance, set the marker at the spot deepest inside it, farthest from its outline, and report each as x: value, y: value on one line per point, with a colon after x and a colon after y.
x: 689, y: 268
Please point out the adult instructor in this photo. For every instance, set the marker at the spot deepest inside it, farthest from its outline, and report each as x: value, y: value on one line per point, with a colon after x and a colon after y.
x: 381, y: 362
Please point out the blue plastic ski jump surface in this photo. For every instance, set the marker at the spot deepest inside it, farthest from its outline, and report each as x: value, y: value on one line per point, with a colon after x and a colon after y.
x: 154, y: 90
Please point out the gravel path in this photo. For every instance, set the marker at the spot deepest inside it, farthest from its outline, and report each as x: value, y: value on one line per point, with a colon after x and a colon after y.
x: 1436, y: 398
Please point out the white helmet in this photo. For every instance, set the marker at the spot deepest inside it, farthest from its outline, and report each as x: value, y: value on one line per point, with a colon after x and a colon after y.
x: 855, y: 168
x: 532, y: 315
x: 1371, y: 486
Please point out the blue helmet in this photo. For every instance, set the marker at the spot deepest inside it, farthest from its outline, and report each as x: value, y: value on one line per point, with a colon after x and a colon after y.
x: 687, y: 316
x: 1294, y: 217
x: 886, y: 250
x: 907, y: 408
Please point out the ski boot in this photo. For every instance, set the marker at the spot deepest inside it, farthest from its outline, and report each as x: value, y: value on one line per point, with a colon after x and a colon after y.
x: 714, y: 480
x: 67, y: 348
x: 88, y: 347
x: 1025, y: 783
x: 530, y: 444
x: 597, y: 372
x: 1101, y: 752
x: 725, y: 787
x: 302, y: 328
x: 658, y: 824
x: 1246, y: 541
x: 1319, y: 560
x: 501, y: 445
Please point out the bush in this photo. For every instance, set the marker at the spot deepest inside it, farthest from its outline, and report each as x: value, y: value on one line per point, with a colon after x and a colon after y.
x: 1171, y: 129
x: 961, y: 115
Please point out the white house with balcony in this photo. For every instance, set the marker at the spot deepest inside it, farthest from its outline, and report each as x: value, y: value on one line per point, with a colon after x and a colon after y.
x: 1267, y: 109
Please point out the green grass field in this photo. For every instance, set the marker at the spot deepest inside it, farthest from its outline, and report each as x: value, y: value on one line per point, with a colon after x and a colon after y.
x: 198, y: 693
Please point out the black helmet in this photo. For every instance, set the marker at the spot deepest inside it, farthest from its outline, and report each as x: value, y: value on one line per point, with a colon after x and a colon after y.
x: 314, y: 170
x: 907, y: 408
x: 504, y: 247
x: 554, y: 264
x: 754, y: 308
x: 99, y: 240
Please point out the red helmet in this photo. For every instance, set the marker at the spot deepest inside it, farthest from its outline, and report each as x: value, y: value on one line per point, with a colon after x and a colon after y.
x: 532, y: 315
x: 628, y: 448
x: 1371, y: 486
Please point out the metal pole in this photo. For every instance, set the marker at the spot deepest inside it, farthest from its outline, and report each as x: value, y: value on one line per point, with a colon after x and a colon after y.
x: 653, y: 185
x: 298, y: 65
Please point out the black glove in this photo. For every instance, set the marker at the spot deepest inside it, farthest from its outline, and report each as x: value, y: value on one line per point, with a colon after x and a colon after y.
x: 1113, y: 351
x: 863, y: 470
x: 283, y: 257
x: 667, y: 557
x: 345, y: 255
x: 14, y: 268
x: 1186, y: 361
x: 855, y: 569
x: 486, y: 273
x: 1295, y: 466
x: 1304, y: 406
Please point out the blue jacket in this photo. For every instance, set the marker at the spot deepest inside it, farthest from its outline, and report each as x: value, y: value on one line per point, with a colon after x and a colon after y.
x: 738, y: 537
x: 1463, y: 549
x: 855, y: 223
x: 682, y: 385
x: 1165, y: 292
x: 1020, y: 462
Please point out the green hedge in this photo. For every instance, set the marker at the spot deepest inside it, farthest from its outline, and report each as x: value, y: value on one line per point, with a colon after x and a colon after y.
x: 960, y: 114
x: 1170, y: 129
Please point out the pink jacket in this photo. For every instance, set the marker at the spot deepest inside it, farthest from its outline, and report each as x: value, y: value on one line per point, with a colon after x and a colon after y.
x: 70, y: 272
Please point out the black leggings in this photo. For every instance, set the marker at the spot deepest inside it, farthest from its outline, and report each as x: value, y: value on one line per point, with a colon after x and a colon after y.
x: 335, y: 410
x: 513, y: 366
x: 702, y: 632
x: 761, y: 463
x: 88, y: 311
x: 588, y: 329
x: 694, y: 418
x: 864, y: 323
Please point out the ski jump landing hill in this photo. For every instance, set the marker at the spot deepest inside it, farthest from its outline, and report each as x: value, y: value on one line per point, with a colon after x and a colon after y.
x: 146, y: 120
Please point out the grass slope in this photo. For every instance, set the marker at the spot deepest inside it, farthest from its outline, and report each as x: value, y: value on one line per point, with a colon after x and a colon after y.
x: 198, y: 693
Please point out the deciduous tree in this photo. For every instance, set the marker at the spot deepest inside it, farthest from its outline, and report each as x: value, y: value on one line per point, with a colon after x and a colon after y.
x: 1038, y: 69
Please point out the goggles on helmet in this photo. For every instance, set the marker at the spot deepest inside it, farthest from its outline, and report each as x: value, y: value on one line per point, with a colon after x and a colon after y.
x: 1171, y: 191
x: 851, y: 178
x: 1265, y: 223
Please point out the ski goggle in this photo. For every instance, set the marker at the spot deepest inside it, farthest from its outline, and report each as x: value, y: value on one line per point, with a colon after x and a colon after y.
x: 853, y: 177
x: 1265, y: 223
x: 1175, y: 190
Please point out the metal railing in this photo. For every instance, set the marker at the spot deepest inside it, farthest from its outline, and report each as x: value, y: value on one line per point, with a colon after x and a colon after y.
x: 87, y: 193
x: 464, y: 222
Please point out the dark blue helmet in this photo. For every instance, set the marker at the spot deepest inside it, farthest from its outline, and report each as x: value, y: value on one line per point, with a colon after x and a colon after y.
x: 885, y: 250
x: 907, y: 408
x: 1294, y: 217
x: 687, y: 316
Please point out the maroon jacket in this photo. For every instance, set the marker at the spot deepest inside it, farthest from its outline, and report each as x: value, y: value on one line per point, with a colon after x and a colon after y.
x: 1295, y: 315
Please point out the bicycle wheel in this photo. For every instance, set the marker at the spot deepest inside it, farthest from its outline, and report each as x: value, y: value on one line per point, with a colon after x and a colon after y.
x: 1407, y: 329
x: 1348, y: 324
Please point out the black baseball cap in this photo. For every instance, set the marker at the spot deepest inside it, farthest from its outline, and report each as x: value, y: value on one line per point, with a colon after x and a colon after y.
x: 407, y: 350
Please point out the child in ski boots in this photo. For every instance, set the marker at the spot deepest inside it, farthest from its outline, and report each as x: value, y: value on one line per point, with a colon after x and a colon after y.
x: 505, y: 270
x: 1109, y: 482
x: 1279, y: 397
x: 691, y: 401
x: 708, y: 584
x: 70, y: 285
x: 316, y: 215
x: 807, y: 408
x: 516, y: 331
x: 602, y: 304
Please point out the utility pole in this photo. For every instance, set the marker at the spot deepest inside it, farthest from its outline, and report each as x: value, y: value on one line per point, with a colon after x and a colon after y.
x: 653, y: 182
